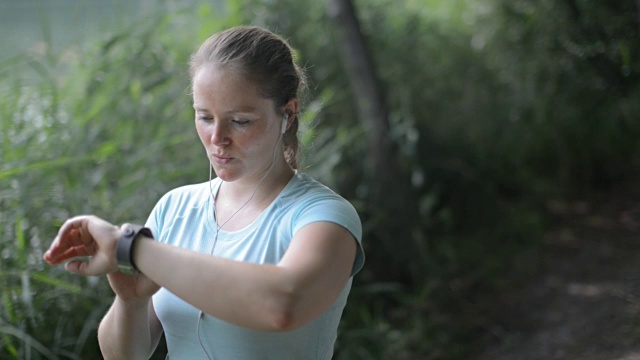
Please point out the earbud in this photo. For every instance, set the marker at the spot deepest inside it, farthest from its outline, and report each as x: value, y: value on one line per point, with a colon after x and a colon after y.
x: 285, y: 120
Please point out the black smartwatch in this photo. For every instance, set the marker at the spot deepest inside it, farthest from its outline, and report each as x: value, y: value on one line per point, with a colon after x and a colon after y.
x: 124, y: 249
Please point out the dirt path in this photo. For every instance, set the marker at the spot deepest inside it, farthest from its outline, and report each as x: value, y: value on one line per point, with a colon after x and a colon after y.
x: 584, y: 303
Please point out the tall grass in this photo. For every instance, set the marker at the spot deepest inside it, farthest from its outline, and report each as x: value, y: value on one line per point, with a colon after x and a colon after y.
x: 104, y: 132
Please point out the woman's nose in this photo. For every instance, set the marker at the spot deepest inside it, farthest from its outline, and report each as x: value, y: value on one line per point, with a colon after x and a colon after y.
x: 219, y: 134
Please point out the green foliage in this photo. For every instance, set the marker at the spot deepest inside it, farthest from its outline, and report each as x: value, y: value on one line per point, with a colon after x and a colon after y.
x: 576, y: 97
x: 104, y: 131
x: 491, y: 116
x: 494, y: 105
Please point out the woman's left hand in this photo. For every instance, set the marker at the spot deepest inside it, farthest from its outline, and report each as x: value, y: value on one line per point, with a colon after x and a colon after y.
x: 83, y: 236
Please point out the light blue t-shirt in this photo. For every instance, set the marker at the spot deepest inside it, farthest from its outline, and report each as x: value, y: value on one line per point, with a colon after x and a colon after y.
x: 184, y: 218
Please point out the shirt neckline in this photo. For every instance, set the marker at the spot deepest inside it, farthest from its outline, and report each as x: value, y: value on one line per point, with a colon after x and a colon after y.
x: 231, y: 235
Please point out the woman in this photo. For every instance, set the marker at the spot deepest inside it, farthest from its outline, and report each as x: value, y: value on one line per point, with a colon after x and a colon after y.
x: 254, y: 264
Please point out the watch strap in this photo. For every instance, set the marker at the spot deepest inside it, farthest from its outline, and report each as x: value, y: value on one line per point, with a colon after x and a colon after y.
x: 124, y: 248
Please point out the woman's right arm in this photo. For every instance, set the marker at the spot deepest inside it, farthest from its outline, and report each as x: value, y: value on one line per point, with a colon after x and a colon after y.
x: 129, y: 330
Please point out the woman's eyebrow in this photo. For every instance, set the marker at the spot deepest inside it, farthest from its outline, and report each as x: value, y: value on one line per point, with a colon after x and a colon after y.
x: 247, y: 109
x: 238, y: 110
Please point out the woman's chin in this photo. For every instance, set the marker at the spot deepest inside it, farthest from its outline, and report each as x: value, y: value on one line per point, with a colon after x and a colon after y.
x: 227, y: 175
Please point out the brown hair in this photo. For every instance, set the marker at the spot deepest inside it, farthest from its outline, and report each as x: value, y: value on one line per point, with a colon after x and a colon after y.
x: 265, y: 58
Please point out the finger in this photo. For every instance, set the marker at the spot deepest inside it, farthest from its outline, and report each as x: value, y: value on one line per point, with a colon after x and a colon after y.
x: 94, y: 267
x: 69, y: 235
x: 87, y: 247
x: 78, y: 251
x: 76, y: 267
x: 66, y: 230
x: 62, y: 253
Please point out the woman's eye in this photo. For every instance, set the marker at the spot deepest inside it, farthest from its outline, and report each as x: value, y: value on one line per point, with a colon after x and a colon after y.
x: 241, y: 122
x: 205, y: 118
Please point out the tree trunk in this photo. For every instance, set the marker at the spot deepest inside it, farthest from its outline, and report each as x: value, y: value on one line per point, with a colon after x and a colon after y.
x: 370, y: 100
x: 391, y: 203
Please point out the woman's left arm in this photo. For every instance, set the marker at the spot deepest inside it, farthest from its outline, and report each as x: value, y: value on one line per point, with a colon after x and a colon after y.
x: 281, y: 297
x: 307, y: 280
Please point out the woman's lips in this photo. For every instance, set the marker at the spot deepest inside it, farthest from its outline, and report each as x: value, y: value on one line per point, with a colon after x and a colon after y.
x: 223, y: 160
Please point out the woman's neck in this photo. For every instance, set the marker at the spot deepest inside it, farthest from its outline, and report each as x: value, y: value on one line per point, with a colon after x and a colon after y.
x: 261, y: 190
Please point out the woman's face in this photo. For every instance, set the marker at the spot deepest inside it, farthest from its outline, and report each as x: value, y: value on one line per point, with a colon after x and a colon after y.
x: 238, y: 127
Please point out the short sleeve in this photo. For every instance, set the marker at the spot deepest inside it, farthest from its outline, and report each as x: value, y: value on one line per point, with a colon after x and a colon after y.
x: 336, y: 210
x: 154, y: 221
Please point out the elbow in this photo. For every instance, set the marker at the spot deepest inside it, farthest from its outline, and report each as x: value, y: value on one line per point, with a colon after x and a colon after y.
x: 286, y: 315
x: 283, y: 320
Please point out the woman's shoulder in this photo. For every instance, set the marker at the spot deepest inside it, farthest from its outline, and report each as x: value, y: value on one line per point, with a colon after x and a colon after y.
x: 304, y: 192
x: 305, y: 186
x: 308, y: 201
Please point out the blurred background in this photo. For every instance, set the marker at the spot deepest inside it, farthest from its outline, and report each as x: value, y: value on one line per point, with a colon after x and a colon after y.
x: 490, y: 147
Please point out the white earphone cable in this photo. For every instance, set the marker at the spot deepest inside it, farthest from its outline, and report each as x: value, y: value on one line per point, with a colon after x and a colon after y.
x: 219, y: 227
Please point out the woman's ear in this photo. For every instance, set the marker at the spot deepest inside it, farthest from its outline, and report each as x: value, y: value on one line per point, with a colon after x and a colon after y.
x: 291, y: 108
x: 290, y: 111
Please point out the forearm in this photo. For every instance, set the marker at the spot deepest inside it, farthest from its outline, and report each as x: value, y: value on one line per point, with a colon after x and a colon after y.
x: 124, y: 331
x: 261, y: 297
x: 304, y: 283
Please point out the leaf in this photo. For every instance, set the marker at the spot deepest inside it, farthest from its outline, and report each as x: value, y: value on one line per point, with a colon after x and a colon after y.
x: 27, y: 339
x: 41, y: 165
x: 21, y: 240
x: 44, y: 278
x: 8, y: 305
